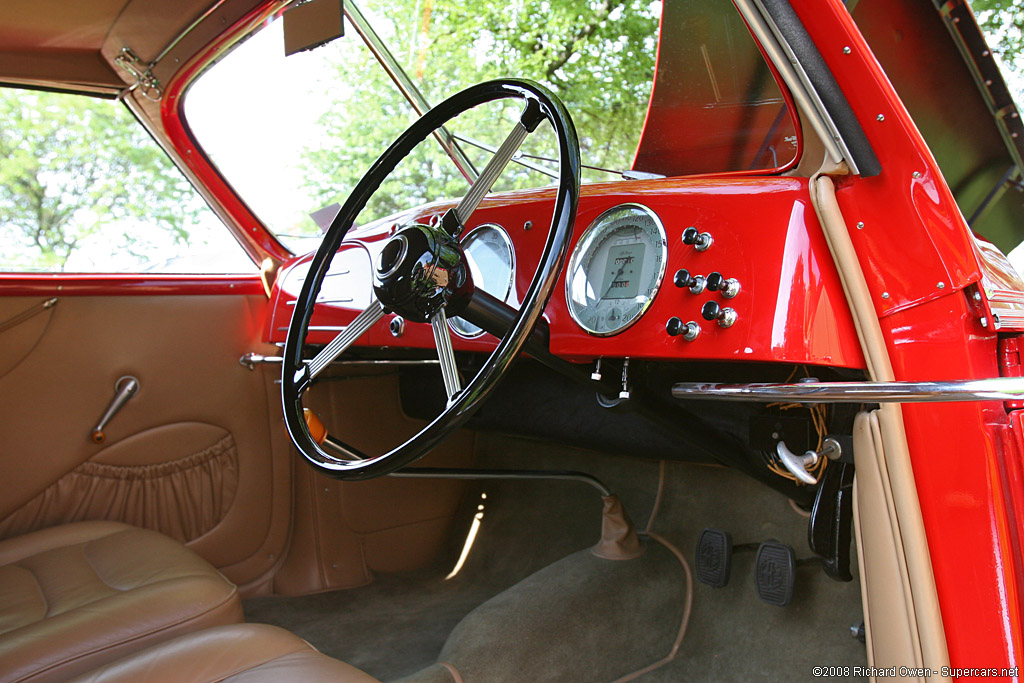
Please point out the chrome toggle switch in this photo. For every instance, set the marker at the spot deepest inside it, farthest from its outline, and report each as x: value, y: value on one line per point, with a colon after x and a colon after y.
x: 701, y: 241
x: 676, y: 327
x: 695, y: 283
x: 729, y: 287
x: 712, y: 311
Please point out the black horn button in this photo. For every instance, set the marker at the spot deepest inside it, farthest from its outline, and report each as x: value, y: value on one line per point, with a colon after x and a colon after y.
x: 391, y: 257
x: 421, y: 270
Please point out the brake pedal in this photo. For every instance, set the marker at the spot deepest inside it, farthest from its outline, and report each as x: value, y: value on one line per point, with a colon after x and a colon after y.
x: 714, y: 557
x: 775, y: 573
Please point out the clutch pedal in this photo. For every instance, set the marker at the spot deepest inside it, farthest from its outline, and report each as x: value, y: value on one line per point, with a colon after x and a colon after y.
x: 714, y: 557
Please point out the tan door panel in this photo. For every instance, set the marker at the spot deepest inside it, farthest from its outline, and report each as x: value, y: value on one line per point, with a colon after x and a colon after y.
x: 193, y: 453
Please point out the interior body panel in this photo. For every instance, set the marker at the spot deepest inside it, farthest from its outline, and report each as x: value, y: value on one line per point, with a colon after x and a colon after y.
x: 201, y: 466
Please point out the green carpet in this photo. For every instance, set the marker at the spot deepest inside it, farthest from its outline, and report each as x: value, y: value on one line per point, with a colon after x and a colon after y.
x: 399, y: 625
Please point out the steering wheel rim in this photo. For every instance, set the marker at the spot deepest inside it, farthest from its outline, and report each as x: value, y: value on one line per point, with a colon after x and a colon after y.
x: 295, y: 378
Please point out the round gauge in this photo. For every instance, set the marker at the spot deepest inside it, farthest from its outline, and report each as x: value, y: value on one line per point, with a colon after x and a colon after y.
x: 492, y: 266
x: 616, y: 269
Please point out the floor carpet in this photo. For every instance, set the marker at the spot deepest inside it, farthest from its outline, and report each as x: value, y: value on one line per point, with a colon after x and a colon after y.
x: 399, y: 625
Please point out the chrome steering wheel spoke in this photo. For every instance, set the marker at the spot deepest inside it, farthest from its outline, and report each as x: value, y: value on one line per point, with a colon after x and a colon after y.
x: 446, y: 354
x: 353, y: 331
x: 527, y: 124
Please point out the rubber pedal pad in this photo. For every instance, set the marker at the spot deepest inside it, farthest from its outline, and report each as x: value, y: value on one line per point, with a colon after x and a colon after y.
x: 775, y: 573
x: 714, y: 557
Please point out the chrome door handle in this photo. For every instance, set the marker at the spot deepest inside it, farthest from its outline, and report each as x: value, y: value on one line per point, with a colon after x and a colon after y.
x: 124, y: 389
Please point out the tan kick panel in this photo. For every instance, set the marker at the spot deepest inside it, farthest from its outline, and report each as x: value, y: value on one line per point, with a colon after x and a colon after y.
x: 192, y: 454
x: 346, y: 531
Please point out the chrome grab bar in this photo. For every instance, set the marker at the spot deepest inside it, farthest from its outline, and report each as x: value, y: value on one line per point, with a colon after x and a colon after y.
x: 949, y: 391
x: 124, y: 389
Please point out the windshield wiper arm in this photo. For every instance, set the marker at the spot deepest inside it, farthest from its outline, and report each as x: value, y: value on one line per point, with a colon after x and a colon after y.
x: 520, y: 158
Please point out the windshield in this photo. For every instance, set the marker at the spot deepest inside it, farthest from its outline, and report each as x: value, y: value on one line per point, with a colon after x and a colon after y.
x: 293, y: 135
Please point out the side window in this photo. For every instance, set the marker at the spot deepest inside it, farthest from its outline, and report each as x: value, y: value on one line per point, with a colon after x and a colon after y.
x: 83, y: 188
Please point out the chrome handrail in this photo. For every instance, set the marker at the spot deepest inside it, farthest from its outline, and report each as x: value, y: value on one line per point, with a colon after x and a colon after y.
x: 946, y: 391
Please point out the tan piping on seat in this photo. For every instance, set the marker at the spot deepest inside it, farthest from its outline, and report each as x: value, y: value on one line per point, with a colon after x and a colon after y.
x: 894, y: 476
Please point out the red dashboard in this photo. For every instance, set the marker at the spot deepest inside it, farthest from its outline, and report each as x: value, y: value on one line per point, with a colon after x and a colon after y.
x: 790, y: 307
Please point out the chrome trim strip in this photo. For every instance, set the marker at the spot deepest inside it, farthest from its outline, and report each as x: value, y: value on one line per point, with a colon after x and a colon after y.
x: 949, y: 391
x: 251, y: 360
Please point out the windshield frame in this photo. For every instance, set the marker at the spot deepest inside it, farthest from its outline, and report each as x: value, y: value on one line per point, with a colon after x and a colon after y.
x: 239, y: 214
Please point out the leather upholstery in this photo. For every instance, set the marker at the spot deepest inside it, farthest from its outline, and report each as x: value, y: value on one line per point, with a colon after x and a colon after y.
x: 77, y: 596
x: 249, y: 653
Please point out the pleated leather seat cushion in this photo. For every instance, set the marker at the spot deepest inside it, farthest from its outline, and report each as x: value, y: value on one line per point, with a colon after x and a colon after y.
x: 77, y: 596
x: 242, y: 653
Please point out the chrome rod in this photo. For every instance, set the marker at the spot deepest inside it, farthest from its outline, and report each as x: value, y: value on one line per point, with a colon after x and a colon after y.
x: 408, y: 88
x: 445, y: 353
x: 521, y: 159
x: 463, y: 473
x: 950, y: 391
x: 354, y: 330
x: 491, y: 172
x: 251, y: 360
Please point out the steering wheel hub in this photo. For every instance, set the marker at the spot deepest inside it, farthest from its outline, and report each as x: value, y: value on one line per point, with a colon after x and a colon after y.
x: 421, y: 270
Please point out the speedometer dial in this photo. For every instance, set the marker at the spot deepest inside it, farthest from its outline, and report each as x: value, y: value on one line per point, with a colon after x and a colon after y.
x: 616, y: 269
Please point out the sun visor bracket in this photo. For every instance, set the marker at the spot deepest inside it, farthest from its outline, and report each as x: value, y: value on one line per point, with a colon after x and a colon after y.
x: 313, y: 23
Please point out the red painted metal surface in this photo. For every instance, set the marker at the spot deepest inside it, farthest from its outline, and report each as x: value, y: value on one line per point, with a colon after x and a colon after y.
x: 791, y: 305
x: 918, y: 256
x: 59, y: 284
x: 259, y: 241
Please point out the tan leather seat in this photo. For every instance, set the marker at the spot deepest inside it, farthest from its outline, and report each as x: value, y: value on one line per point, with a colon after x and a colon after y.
x: 77, y: 596
x: 244, y: 652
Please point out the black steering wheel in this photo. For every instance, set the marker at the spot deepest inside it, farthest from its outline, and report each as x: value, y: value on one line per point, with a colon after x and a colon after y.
x: 422, y: 275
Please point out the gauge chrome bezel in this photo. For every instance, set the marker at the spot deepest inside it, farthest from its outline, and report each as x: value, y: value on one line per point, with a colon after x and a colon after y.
x: 584, y: 244
x: 511, y: 275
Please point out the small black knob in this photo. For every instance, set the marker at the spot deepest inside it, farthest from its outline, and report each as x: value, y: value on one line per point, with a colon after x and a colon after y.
x: 691, y: 235
x: 683, y: 278
x: 710, y: 311
x: 715, y: 281
x: 674, y: 326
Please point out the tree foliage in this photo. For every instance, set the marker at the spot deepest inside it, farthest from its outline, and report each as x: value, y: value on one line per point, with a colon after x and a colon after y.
x: 597, y: 56
x: 72, y: 166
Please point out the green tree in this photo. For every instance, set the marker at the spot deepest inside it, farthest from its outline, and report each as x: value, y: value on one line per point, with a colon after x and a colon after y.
x: 597, y: 56
x: 71, y: 166
x: 1003, y: 22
